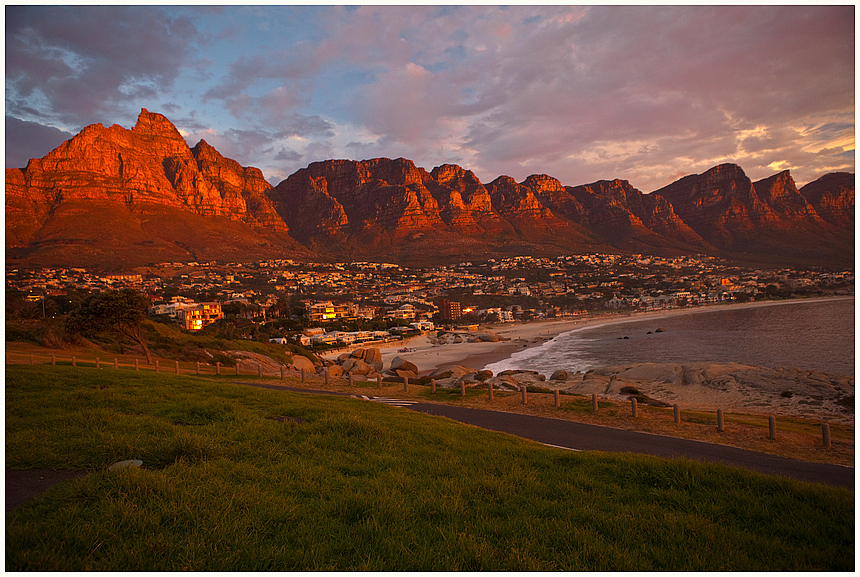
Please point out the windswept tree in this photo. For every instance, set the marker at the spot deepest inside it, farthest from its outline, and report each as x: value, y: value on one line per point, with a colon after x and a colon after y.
x: 118, y: 311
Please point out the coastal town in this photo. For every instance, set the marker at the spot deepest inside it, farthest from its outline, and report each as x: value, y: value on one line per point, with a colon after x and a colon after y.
x: 316, y: 303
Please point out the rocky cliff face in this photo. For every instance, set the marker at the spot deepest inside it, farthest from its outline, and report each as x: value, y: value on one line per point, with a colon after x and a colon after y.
x: 120, y: 197
x: 832, y: 197
x: 768, y: 218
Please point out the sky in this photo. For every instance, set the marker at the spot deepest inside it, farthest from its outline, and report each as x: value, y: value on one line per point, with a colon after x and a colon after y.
x: 643, y: 93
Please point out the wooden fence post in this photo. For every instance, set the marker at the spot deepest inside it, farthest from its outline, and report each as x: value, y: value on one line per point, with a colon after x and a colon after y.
x: 282, y: 372
x: 557, y: 399
x: 198, y: 367
x: 405, y: 384
x: 490, y: 390
x: 259, y: 370
x: 237, y: 367
x: 156, y: 366
x: 677, y: 410
x: 593, y: 402
x: 115, y: 363
x: 825, y: 435
x: 217, y: 367
x: 74, y: 361
x: 525, y: 394
x: 634, y: 408
x: 303, y: 375
x: 136, y: 364
x: 720, y: 425
x: 378, y: 381
x: 771, y: 427
x: 325, y: 372
x: 98, y: 363
x: 350, y: 379
x: 433, y: 386
x: 177, y: 367
x: 462, y: 389
x: 53, y: 360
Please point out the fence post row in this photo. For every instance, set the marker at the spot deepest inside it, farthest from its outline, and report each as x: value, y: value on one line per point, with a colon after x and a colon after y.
x: 676, y: 409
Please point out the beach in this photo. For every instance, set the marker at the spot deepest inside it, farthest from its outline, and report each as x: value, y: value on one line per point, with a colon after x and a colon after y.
x: 521, y: 335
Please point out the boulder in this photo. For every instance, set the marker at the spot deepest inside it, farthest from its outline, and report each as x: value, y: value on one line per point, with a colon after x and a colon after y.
x: 484, y: 375
x: 300, y: 362
x: 411, y: 375
x: 335, y: 371
x: 399, y: 363
x: 488, y: 337
x: 373, y: 357
x: 559, y: 375
x: 359, y: 367
x: 456, y: 371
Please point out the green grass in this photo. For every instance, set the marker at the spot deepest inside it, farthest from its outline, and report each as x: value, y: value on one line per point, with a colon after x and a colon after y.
x: 240, y: 478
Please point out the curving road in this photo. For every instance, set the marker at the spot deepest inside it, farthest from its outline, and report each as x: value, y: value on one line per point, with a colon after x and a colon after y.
x: 584, y: 437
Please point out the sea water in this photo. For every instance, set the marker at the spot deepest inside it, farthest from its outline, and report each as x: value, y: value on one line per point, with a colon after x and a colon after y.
x: 815, y: 334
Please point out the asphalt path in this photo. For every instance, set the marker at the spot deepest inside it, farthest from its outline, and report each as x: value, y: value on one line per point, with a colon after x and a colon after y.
x: 585, y: 437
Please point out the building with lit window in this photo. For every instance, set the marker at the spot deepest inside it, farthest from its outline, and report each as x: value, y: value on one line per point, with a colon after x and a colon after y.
x: 196, y: 317
x: 449, y: 310
x: 327, y: 311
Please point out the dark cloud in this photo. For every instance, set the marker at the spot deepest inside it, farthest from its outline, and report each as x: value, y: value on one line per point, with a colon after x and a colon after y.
x: 87, y: 62
x: 26, y: 140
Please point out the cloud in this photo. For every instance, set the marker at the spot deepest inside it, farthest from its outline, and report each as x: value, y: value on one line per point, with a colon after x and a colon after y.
x: 644, y: 93
x: 26, y: 140
x: 83, y: 63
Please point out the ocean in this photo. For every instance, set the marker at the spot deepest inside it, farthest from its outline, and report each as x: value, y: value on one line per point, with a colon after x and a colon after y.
x: 816, y: 334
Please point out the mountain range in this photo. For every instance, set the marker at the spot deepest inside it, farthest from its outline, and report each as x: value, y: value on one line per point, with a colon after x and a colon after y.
x: 116, y: 198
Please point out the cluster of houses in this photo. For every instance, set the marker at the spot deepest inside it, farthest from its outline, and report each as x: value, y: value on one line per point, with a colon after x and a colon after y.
x: 316, y: 336
x: 551, y: 287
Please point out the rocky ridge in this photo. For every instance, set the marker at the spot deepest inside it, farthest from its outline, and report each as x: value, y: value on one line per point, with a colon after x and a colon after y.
x: 117, y: 197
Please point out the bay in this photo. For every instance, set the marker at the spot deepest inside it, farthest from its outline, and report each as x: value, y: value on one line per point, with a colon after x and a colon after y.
x: 815, y: 334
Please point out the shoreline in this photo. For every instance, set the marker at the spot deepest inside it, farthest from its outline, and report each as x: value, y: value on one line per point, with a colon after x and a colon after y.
x: 525, y: 335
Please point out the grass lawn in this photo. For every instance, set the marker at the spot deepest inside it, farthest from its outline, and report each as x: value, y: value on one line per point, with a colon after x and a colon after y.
x: 241, y: 478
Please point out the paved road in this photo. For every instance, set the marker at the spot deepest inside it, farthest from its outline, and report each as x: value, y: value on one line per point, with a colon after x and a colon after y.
x: 584, y: 437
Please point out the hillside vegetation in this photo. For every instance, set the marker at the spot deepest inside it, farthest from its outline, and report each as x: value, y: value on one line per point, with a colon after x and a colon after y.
x: 241, y: 478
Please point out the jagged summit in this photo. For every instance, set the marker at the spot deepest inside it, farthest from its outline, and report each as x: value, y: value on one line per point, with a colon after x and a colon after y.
x: 118, y: 197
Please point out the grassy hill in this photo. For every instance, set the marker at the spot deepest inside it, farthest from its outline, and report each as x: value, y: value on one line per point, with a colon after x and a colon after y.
x: 241, y: 478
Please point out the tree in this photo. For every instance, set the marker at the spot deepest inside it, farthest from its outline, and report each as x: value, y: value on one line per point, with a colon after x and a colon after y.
x: 119, y: 311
